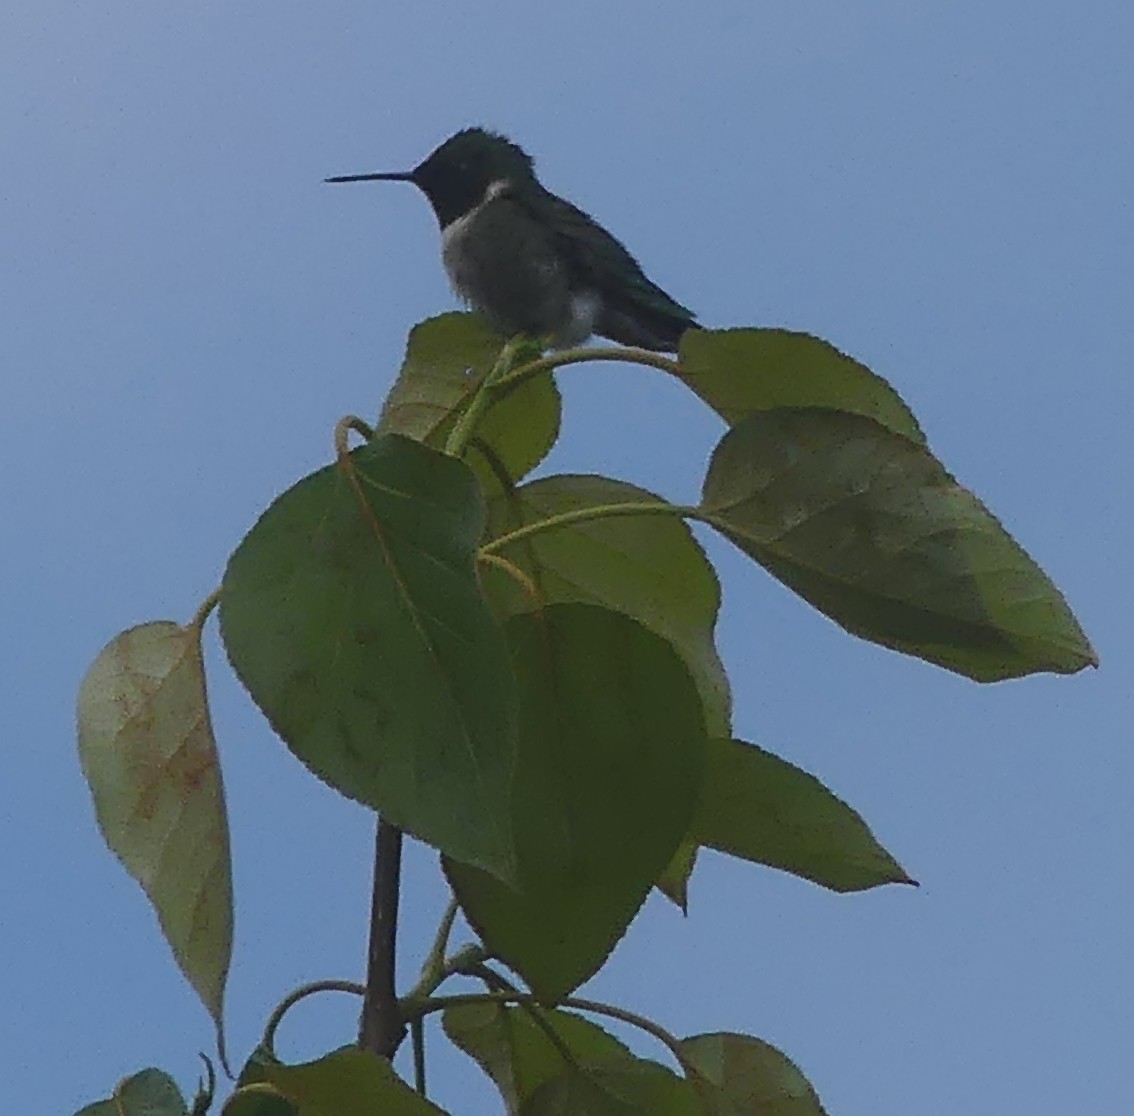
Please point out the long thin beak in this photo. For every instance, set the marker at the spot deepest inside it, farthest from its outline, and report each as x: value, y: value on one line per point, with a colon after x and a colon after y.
x: 394, y: 176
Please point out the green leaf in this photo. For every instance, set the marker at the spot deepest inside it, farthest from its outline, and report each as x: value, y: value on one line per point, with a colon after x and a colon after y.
x: 348, y: 1082
x: 517, y: 1053
x: 649, y: 567
x: 871, y: 529
x: 640, y: 1089
x: 353, y: 615
x: 759, y: 807
x: 254, y: 1095
x: 673, y: 883
x: 148, y: 1093
x: 612, y: 746
x: 741, y: 371
x: 147, y: 750
x: 446, y: 359
x: 258, y: 1100
x: 748, y: 1077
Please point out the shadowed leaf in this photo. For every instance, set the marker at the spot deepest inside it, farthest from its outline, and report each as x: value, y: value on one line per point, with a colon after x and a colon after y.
x: 148, y: 1093
x: 347, y: 1082
x: 352, y: 613
x: 649, y: 567
x: 612, y: 747
x: 147, y: 750
x: 517, y: 1053
x: 741, y: 371
x: 748, y: 1077
x: 446, y: 358
x: 258, y: 1100
x: 868, y: 527
x: 673, y: 883
x: 759, y: 807
x: 640, y: 1088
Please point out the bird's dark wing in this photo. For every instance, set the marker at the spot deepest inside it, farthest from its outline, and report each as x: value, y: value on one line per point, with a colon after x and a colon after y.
x: 636, y: 311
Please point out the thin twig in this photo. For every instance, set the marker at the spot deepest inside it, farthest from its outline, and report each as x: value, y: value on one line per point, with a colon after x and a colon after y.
x: 440, y: 1003
x: 289, y: 1001
x: 584, y: 515
x: 417, y: 1033
x: 537, y: 1014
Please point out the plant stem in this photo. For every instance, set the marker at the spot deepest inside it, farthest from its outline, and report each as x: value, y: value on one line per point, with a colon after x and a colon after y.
x: 512, y: 380
x: 343, y: 427
x: 440, y: 1003
x: 465, y: 426
x: 435, y: 963
x: 293, y: 998
x: 582, y: 515
x: 202, y: 613
x: 496, y: 983
x: 383, y: 1028
x: 418, y: 1029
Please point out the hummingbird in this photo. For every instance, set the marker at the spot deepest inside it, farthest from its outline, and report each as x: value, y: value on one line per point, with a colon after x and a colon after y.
x: 528, y: 260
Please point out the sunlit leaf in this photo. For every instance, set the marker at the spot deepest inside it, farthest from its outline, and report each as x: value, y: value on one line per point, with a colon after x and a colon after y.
x: 147, y: 750
x: 348, y: 1082
x: 741, y: 371
x: 148, y: 1093
x: 759, y: 807
x: 870, y: 528
x: 446, y: 358
x: 612, y: 747
x: 352, y: 613
x: 748, y: 1077
x: 648, y: 566
x: 516, y: 1052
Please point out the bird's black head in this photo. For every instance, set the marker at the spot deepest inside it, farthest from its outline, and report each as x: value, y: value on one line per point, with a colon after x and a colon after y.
x: 457, y: 175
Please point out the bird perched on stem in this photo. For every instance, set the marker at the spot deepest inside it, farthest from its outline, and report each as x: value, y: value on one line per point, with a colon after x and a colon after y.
x: 528, y: 260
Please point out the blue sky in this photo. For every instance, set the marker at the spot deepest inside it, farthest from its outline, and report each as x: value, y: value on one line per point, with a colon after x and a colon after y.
x: 941, y: 190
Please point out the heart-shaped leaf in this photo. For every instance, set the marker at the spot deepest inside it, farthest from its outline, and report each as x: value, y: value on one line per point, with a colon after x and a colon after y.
x: 353, y: 615
x: 612, y: 746
x: 747, y: 1077
x: 148, y: 1093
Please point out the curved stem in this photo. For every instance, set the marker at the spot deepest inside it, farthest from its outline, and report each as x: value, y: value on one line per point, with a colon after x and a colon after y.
x: 516, y: 574
x: 346, y: 424
x: 301, y: 993
x: 641, y: 1022
x: 494, y: 980
x: 203, y: 610
x: 440, y: 1003
x: 582, y: 515
x: 564, y: 357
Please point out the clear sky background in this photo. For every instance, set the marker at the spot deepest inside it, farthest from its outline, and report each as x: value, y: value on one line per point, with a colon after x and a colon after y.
x: 941, y: 189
